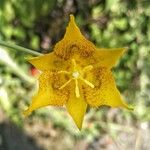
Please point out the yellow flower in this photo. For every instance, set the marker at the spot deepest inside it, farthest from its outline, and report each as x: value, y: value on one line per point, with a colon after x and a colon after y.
x: 77, y: 74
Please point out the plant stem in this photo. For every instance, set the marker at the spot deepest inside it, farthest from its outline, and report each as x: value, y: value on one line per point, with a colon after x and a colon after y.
x: 19, y: 48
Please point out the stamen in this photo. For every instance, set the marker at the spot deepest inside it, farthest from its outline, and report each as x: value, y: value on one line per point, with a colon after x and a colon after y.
x: 87, y: 82
x: 87, y: 68
x: 65, y: 72
x: 75, y: 76
x: 77, y: 89
x: 65, y: 84
x: 74, y: 64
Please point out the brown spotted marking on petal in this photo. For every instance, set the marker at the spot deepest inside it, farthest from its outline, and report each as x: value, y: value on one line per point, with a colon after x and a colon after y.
x: 65, y: 49
x: 100, y: 77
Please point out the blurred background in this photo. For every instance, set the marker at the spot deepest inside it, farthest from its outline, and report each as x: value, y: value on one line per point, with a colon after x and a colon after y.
x: 38, y: 25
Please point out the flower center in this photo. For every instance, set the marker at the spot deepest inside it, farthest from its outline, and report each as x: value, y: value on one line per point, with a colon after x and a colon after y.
x: 75, y: 75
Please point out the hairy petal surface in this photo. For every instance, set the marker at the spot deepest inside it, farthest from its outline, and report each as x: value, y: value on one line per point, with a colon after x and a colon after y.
x: 73, y: 43
x: 48, y: 93
x: 105, y: 91
x: 48, y: 62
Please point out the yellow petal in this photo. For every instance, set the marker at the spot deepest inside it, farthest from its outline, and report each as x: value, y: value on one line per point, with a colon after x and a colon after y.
x: 48, y: 62
x: 109, y: 57
x: 49, y: 94
x: 76, y: 108
x: 105, y: 91
x: 72, y: 30
x: 38, y: 101
x: 73, y: 43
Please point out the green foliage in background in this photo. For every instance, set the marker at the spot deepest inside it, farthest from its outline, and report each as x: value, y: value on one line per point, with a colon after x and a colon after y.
x: 38, y: 24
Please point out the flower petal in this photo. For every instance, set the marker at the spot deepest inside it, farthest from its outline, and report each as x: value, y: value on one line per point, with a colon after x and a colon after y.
x: 76, y: 108
x: 73, y: 43
x: 72, y: 30
x: 49, y: 94
x: 109, y: 57
x: 48, y: 62
x: 105, y: 91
